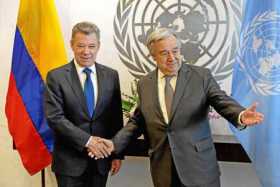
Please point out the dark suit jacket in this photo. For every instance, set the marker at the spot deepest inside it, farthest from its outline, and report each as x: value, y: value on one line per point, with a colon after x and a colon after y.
x: 186, y: 138
x: 67, y: 115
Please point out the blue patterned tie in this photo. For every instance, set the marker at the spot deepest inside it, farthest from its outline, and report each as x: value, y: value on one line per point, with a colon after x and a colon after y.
x: 89, y: 91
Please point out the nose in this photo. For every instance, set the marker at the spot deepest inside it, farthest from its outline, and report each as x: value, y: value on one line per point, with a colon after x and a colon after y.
x: 171, y: 56
x: 86, y: 50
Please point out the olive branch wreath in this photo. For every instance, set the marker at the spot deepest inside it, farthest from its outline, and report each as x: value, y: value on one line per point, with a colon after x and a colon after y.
x: 127, y: 54
x: 223, y: 68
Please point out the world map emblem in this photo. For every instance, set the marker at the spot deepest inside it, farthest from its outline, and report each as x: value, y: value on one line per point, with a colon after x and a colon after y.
x: 208, y: 30
x: 259, y: 54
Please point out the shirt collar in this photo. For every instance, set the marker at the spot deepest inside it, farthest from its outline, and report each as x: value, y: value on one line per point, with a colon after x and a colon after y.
x: 162, y: 75
x: 80, y: 68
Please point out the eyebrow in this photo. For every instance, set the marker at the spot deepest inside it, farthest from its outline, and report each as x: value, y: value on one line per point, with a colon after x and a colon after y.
x: 175, y: 48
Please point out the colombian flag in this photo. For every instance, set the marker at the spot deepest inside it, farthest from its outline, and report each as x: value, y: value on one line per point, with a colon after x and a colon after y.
x: 38, y: 48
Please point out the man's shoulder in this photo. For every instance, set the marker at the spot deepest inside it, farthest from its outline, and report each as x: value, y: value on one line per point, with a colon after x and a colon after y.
x: 149, y: 76
x: 201, y: 71
x: 61, y: 68
x: 106, y: 68
x: 194, y: 67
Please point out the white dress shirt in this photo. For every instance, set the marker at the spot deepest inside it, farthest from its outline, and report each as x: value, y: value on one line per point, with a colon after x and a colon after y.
x: 82, y: 77
x: 161, y: 96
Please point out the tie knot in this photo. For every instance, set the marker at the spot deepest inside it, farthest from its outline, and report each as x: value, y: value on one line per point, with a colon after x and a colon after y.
x: 168, y: 78
x: 87, y: 71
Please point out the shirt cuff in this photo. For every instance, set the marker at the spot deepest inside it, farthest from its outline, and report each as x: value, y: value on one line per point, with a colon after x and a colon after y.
x: 88, y: 142
x: 241, y: 126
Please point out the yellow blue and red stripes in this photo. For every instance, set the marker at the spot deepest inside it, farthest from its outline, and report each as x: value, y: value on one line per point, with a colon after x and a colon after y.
x: 38, y: 48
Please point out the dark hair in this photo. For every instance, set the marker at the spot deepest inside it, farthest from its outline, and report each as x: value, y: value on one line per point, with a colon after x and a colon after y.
x: 86, y: 28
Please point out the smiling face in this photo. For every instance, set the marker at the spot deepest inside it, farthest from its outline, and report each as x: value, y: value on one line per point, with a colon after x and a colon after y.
x: 85, y: 48
x: 166, y: 53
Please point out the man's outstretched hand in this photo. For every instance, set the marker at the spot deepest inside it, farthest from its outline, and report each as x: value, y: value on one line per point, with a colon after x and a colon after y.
x: 250, y: 116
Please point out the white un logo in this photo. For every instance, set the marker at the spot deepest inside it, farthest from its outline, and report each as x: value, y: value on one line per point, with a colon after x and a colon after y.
x: 207, y: 29
x: 260, y: 53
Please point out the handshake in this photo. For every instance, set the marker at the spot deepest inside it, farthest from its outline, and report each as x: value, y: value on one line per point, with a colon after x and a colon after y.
x: 99, y: 148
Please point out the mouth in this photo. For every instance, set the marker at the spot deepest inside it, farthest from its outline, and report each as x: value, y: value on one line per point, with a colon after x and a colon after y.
x: 171, y: 64
x: 85, y: 58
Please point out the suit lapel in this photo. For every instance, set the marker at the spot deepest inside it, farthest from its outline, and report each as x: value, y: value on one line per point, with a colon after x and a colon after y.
x: 100, y: 73
x: 74, y: 81
x: 182, y: 80
x: 154, y: 90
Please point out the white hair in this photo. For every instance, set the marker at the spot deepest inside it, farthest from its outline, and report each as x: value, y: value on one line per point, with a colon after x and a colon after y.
x: 160, y: 34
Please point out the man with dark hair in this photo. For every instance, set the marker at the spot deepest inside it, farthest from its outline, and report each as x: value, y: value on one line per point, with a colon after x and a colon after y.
x: 83, y: 103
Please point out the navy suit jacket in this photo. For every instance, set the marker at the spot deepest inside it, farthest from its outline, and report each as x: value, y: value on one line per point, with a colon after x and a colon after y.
x: 67, y: 115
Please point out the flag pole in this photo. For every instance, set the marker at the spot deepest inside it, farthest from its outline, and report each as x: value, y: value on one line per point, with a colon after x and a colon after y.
x: 43, y: 184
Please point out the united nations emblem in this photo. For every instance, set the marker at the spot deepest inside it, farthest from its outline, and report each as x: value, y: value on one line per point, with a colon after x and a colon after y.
x: 208, y: 30
x: 259, y: 54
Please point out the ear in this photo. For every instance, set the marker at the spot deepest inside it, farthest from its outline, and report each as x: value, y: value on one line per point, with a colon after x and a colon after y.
x: 72, y: 44
x: 153, y: 56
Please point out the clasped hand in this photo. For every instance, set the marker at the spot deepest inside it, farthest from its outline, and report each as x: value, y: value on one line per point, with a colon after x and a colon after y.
x: 99, y: 147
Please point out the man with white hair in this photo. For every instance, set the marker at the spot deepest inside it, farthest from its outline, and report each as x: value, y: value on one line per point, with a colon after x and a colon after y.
x: 172, y: 114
